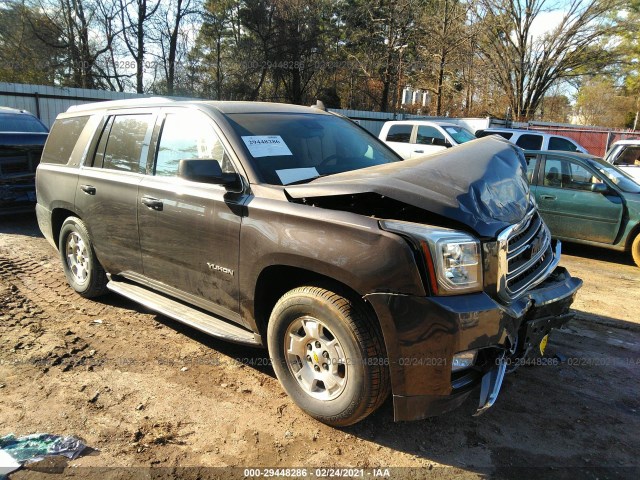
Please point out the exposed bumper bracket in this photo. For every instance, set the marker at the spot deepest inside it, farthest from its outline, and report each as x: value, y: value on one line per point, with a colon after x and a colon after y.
x: 491, y: 383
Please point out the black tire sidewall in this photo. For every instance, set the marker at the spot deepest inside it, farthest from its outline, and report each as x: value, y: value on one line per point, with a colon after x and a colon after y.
x: 350, y: 400
x: 70, y: 225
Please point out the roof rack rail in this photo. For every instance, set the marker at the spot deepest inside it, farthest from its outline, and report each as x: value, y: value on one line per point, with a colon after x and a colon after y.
x: 118, y: 103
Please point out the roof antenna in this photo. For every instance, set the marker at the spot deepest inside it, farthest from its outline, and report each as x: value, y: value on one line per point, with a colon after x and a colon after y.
x: 319, y: 105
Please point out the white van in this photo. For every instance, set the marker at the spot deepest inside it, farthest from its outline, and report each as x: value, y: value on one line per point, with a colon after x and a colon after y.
x: 534, y: 140
x: 412, y: 138
x: 625, y: 154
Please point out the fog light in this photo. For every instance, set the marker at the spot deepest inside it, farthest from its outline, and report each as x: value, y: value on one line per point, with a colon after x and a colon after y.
x: 463, y: 360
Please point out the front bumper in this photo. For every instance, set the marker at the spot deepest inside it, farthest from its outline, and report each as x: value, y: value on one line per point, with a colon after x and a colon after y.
x: 17, y: 195
x: 423, y: 333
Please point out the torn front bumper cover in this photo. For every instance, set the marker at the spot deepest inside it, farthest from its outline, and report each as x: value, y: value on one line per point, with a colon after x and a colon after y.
x: 428, y: 331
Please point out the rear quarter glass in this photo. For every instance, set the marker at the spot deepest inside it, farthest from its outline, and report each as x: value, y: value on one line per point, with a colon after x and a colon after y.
x: 62, y: 139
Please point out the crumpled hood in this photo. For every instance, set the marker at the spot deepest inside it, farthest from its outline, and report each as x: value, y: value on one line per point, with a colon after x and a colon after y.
x: 481, y: 184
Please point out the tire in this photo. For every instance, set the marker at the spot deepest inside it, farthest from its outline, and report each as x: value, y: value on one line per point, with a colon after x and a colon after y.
x: 81, y: 267
x: 344, y: 377
x: 635, y: 249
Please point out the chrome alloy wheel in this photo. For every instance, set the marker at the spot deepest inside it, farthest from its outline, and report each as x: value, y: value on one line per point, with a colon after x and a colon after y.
x: 315, y: 358
x: 77, y: 257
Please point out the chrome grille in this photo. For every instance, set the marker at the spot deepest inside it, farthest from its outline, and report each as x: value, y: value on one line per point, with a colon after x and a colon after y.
x: 526, y: 256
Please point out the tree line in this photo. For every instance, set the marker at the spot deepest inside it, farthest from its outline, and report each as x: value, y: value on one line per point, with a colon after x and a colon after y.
x: 460, y: 57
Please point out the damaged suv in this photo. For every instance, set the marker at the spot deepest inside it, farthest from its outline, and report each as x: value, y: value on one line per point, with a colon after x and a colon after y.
x: 295, y: 229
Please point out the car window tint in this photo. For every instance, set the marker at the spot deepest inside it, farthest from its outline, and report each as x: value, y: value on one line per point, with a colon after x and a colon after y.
x: 426, y: 134
x: 485, y: 133
x: 62, y: 139
x: 630, y: 155
x: 187, y: 137
x: 532, y: 161
x: 98, y: 158
x: 553, y: 173
x: 563, y: 173
x: 530, y: 142
x: 558, y: 143
x: 125, y: 143
x: 459, y: 134
x: 310, y: 145
x: 399, y: 133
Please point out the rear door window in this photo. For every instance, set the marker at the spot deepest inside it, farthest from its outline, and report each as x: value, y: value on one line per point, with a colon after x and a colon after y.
x: 128, y: 140
x: 532, y: 161
x: 530, y: 142
x: 399, y: 133
x: 62, y: 139
x: 558, y: 143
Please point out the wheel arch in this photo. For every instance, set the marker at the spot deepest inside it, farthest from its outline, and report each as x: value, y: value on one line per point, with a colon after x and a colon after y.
x: 276, y: 280
x: 633, y: 233
x: 58, y: 216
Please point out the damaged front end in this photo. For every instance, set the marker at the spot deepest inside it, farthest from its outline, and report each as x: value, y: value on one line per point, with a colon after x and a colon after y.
x: 487, y: 260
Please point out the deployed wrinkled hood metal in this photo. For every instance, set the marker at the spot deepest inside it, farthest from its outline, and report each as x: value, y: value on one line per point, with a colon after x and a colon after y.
x: 481, y: 184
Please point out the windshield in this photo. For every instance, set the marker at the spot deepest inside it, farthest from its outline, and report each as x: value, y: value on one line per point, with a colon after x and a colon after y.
x: 459, y: 134
x: 617, y: 176
x: 20, y: 123
x: 288, y: 148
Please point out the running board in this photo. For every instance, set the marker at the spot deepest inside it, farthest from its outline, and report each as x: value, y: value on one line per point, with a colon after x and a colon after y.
x: 205, y: 322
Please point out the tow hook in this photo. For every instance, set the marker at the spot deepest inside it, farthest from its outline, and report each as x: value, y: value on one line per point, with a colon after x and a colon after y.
x: 491, y: 383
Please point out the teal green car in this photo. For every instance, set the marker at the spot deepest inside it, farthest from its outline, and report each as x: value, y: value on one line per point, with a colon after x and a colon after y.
x: 584, y: 199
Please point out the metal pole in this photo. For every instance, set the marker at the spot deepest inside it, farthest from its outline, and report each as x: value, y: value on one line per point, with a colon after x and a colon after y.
x: 36, y: 95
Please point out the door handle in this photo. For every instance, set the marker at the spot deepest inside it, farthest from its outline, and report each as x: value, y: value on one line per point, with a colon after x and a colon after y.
x: 418, y: 151
x: 548, y: 197
x: 88, y: 189
x: 152, y: 203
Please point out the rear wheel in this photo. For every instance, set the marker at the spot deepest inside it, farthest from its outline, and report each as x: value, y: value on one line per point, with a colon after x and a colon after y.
x: 328, y: 354
x: 81, y: 267
x: 635, y: 249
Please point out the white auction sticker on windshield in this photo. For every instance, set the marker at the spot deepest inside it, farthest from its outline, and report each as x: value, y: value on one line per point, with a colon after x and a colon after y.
x: 266, y: 145
x: 291, y: 175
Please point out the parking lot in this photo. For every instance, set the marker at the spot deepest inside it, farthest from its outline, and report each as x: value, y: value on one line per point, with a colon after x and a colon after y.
x: 143, y: 390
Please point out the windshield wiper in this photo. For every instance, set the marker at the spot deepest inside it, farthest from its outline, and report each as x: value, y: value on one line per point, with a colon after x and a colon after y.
x: 305, y: 180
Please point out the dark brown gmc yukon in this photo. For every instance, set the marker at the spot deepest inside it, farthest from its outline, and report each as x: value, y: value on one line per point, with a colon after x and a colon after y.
x: 295, y: 229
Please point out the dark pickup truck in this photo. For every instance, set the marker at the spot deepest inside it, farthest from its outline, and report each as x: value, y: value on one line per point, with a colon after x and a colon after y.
x: 22, y: 138
x: 295, y: 229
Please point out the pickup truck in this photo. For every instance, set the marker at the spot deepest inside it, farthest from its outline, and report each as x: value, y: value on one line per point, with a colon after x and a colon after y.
x: 625, y: 154
x: 294, y: 229
x: 414, y: 138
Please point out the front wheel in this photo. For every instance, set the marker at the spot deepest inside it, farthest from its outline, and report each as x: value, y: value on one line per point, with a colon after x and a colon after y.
x: 328, y: 354
x: 81, y: 267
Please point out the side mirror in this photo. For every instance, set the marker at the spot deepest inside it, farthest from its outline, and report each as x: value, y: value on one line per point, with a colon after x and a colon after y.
x: 599, y: 188
x: 440, y: 142
x: 206, y: 171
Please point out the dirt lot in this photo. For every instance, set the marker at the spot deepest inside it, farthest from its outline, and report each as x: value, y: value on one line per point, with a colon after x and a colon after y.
x: 145, y: 391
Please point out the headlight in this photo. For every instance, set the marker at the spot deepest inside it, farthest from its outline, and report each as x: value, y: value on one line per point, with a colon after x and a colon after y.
x: 452, y: 257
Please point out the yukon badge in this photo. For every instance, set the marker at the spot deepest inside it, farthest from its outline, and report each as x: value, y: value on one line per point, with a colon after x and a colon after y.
x: 218, y: 268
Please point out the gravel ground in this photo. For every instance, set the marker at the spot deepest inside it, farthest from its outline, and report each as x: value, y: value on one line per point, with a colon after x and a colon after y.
x: 144, y: 391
